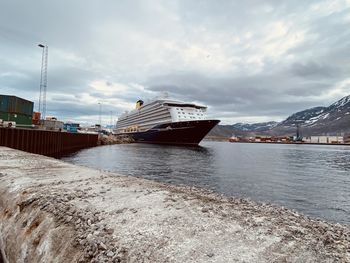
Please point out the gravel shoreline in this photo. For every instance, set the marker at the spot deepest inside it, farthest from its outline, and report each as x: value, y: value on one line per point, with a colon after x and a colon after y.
x: 54, y: 211
x: 113, y: 139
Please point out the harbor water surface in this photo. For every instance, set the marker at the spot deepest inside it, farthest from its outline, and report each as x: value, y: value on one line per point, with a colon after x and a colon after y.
x: 311, y: 179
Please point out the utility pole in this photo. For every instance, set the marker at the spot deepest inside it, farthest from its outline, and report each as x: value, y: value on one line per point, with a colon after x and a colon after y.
x: 43, y: 80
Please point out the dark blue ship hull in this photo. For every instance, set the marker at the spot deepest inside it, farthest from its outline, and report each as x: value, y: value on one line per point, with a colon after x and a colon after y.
x: 183, y: 133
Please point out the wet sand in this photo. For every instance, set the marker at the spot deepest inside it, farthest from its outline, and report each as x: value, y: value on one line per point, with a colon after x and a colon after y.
x: 55, y: 211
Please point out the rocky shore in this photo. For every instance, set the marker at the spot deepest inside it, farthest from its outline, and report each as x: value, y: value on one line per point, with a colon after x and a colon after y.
x: 113, y: 139
x: 51, y: 211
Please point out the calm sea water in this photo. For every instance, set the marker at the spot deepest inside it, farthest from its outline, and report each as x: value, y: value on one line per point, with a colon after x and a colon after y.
x: 311, y: 179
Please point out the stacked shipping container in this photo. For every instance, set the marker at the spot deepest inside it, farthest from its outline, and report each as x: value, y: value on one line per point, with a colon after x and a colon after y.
x: 36, y: 118
x: 16, y: 109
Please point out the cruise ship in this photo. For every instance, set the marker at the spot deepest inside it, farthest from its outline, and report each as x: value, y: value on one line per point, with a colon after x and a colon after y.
x: 166, y: 121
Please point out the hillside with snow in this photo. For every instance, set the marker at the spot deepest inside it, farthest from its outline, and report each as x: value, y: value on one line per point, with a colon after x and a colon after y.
x: 331, y: 120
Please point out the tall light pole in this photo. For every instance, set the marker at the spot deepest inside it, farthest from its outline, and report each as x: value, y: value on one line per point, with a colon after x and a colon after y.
x: 99, y: 114
x: 111, y: 123
x: 43, y: 80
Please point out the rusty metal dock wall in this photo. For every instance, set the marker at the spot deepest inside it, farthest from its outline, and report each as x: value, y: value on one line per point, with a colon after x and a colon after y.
x: 49, y: 143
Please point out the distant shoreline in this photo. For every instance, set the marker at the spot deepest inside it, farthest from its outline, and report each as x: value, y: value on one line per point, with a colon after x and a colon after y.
x: 301, y: 143
x: 224, y: 139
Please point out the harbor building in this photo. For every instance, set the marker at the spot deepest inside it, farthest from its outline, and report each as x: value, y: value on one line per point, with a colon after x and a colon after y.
x: 324, y: 139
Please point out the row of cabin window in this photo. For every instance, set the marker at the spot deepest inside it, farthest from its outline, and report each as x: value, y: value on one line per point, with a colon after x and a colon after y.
x: 188, y: 117
x: 195, y: 110
x: 190, y: 113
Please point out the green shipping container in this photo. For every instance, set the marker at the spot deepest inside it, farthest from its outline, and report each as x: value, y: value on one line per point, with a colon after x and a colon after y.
x: 20, y: 119
x: 15, y: 104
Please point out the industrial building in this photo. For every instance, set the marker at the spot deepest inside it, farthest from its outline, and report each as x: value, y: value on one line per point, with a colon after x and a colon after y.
x: 15, y: 109
x: 324, y: 139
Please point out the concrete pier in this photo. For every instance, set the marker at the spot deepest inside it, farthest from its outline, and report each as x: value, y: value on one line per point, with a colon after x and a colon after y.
x: 51, y: 211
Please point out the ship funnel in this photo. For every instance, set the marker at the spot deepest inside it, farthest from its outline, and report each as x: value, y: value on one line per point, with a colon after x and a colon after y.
x: 139, y: 103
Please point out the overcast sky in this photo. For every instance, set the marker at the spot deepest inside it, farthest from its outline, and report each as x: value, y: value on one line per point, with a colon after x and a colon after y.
x: 248, y: 61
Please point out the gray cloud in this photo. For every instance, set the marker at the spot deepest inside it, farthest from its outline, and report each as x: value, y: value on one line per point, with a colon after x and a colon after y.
x: 313, y: 69
x: 260, y: 95
x: 248, y: 61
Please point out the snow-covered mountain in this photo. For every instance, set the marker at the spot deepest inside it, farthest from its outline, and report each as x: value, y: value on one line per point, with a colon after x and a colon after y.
x: 241, y: 129
x: 320, y: 115
x: 261, y: 126
x: 334, y: 119
x: 305, y: 117
x: 331, y: 120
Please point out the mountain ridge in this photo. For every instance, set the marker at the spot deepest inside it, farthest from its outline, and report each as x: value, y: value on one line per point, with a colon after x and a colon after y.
x: 331, y: 120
